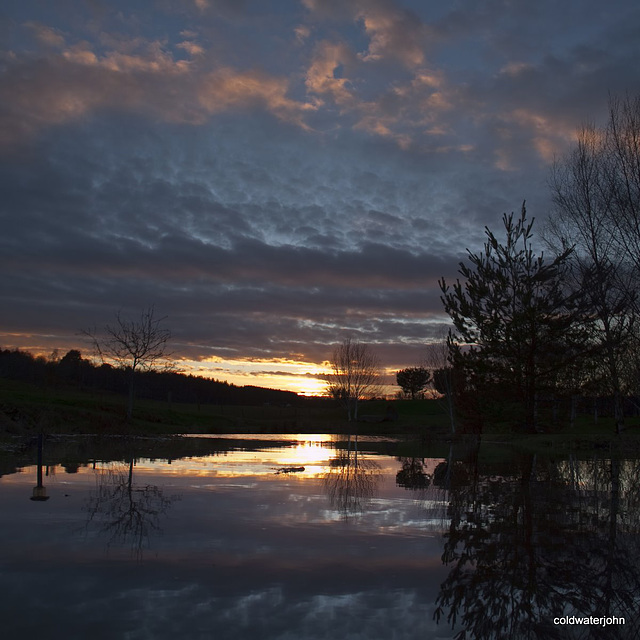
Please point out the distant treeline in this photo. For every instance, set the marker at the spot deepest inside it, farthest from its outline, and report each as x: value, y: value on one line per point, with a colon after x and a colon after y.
x: 72, y: 370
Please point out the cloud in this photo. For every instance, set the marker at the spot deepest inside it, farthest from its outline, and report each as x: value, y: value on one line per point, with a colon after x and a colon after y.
x: 322, y: 76
x: 191, y: 48
x: 283, y: 250
x: 302, y: 32
x: 226, y: 88
x: 48, y: 36
x: 39, y: 91
x: 393, y: 32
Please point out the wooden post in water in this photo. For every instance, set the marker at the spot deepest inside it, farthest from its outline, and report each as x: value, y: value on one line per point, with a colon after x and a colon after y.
x: 39, y: 491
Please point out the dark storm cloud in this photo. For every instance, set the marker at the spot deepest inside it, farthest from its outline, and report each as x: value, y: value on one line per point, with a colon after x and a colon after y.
x: 176, y: 259
x: 256, y: 319
x: 275, y: 178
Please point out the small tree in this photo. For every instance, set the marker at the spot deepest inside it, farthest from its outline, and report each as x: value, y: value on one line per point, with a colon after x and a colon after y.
x: 521, y: 326
x: 442, y: 375
x: 355, y: 375
x: 133, y: 345
x: 413, y: 381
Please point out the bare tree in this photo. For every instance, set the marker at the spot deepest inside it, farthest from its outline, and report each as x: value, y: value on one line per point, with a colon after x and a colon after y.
x: 355, y: 375
x: 596, y: 189
x: 133, y: 345
x: 442, y: 376
x: 622, y: 164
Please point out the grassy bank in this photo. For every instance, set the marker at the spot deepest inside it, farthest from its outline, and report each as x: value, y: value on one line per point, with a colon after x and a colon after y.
x: 28, y: 409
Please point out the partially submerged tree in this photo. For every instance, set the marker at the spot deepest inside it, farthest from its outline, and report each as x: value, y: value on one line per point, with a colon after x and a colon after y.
x: 355, y: 375
x: 133, y: 345
x: 515, y: 325
x: 413, y: 381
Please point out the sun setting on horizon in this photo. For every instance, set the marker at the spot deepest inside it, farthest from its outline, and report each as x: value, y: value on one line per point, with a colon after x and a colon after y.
x: 276, y: 191
x: 287, y: 375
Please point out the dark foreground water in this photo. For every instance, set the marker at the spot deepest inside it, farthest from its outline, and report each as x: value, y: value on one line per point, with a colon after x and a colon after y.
x: 302, y: 537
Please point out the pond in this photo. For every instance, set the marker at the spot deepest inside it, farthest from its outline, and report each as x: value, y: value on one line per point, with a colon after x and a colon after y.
x: 314, y: 536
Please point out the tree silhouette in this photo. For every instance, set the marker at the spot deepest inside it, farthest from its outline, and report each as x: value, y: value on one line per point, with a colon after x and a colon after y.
x: 443, y: 379
x: 355, y: 375
x: 515, y: 325
x: 593, y: 189
x: 133, y: 345
x: 413, y: 381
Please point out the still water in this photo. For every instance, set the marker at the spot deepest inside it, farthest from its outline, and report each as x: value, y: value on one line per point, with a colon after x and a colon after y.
x: 314, y: 536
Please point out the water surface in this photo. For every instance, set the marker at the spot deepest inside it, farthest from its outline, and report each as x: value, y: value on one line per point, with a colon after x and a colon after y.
x: 313, y: 537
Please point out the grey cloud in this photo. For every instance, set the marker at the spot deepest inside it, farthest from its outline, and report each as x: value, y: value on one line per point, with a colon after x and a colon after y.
x: 234, y: 268
x: 263, y: 321
x: 393, y: 30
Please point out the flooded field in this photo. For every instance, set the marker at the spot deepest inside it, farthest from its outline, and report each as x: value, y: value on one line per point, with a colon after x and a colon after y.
x: 314, y: 536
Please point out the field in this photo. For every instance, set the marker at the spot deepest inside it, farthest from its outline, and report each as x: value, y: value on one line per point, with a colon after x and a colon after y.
x: 28, y: 409
x: 31, y: 408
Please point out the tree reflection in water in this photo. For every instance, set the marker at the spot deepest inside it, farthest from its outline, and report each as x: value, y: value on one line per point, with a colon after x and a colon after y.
x: 125, y: 512
x: 430, y: 488
x: 549, y: 541
x: 352, y: 480
x: 412, y: 474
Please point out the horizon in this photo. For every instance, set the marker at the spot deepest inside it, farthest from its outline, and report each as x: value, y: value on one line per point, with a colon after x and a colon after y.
x: 317, y: 385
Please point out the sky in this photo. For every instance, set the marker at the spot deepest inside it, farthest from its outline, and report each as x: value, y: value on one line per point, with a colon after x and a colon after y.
x: 277, y: 176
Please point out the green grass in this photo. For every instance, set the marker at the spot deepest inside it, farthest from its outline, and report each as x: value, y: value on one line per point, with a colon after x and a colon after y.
x: 30, y: 408
x: 27, y: 409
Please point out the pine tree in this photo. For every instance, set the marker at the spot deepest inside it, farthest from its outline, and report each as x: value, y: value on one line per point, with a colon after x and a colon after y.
x: 516, y: 327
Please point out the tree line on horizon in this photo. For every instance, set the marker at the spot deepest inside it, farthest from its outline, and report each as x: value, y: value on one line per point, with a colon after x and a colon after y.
x: 74, y: 371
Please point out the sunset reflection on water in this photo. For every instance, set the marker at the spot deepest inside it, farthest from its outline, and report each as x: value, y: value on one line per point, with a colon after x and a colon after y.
x: 371, y: 540
x: 231, y: 538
